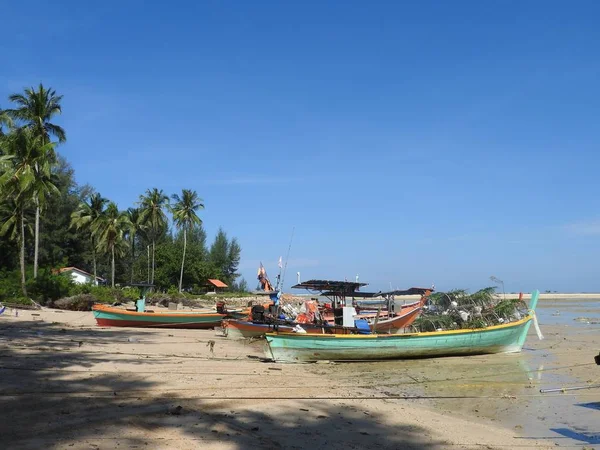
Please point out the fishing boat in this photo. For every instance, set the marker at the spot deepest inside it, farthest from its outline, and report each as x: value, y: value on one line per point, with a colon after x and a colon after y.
x: 325, y: 321
x: 239, y: 329
x: 383, y: 319
x: 504, y: 338
x: 110, y: 316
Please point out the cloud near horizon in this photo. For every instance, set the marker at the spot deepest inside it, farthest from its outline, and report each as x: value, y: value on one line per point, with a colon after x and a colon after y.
x: 589, y: 228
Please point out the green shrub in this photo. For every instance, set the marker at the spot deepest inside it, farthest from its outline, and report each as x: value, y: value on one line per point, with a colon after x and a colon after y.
x: 19, y: 301
x: 10, y: 286
x: 48, y: 287
x: 127, y: 294
x: 174, y: 292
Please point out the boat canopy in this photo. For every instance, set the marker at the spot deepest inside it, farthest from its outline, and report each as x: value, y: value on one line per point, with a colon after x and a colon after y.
x: 358, y: 294
x: 336, y: 287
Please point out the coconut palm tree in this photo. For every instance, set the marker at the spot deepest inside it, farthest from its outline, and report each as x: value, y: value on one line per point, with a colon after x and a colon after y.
x: 185, y: 217
x: 15, y: 224
x: 133, y: 214
x: 153, y: 217
x: 28, y: 174
x: 17, y: 185
x: 110, y: 229
x: 5, y: 121
x: 84, y: 218
x: 35, y: 109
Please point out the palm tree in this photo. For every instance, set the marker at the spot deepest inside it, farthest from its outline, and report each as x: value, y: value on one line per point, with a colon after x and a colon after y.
x: 110, y: 230
x: 13, y: 217
x: 5, y: 120
x: 27, y: 173
x: 35, y: 109
x: 152, y: 216
x: 85, y: 216
x: 133, y: 214
x: 185, y: 217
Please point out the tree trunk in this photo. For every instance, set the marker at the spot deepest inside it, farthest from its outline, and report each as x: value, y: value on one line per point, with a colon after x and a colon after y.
x: 22, y: 255
x: 37, y: 239
x: 112, y: 262
x: 148, y: 277
x: 132, y: 258
x: 182, y: 259
x: 153, y: 249
x: 94, y: 260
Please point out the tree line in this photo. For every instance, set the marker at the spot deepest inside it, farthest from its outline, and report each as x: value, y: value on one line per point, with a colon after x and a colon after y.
x: 48, y: 221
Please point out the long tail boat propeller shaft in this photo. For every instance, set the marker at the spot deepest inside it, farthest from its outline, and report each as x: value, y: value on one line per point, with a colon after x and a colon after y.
x: 575, y: 388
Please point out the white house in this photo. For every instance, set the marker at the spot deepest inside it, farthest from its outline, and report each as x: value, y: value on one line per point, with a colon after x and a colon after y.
x: 80, y: 276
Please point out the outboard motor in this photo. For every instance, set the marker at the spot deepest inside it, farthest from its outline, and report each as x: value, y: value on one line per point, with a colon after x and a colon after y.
x: 258, y: 313
x: 221, y: 307
x: 338, y: 316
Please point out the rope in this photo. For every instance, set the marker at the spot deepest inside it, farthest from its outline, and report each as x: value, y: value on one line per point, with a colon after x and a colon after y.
x: 123, y: 394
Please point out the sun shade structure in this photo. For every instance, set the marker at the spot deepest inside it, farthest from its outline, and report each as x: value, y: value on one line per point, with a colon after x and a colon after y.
x: 339, y: 287
x: 337, y: 291
x: 217, y: 283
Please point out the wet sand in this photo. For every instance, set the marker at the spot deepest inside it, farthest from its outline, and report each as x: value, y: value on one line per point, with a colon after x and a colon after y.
x: 69, y: 384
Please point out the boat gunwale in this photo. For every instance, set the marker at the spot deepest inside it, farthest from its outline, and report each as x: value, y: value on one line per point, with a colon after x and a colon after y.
x: 403, y: 335
x: 109, y: 309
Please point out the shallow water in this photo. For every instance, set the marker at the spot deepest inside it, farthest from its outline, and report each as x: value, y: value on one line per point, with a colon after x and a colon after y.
x: 564, y: 312
x: 505, y: 388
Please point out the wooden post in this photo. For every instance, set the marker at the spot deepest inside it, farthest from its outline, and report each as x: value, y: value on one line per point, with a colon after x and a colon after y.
x: 376, y: 319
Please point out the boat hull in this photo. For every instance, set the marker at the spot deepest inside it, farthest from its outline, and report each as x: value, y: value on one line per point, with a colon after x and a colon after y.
x: 506, y: 338
x: 115, y: 317
x: 239, y: 329
x: 404, y: 319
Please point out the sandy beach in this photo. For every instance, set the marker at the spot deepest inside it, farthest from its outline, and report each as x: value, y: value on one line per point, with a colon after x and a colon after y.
x: 67, y: 383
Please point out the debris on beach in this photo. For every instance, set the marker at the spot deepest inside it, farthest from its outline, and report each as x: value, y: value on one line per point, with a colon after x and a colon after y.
x: 176, y: 411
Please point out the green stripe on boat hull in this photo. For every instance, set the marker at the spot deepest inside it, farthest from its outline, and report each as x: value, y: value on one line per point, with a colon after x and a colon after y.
x: 111, y: 319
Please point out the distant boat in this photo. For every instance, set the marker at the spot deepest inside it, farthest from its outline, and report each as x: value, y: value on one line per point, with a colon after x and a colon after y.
x: 505, y: 338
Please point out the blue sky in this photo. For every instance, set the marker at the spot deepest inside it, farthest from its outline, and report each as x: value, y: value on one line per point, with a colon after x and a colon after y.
x: 409, y: 143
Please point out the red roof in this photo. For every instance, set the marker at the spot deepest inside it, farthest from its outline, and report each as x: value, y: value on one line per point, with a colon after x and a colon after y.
x: 217, y: 283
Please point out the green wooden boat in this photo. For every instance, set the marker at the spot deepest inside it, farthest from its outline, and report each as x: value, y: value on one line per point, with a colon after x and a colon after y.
x: 505, y: 338
x: 108, y: 316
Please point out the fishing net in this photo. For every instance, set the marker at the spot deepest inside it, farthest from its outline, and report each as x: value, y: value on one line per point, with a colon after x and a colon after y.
x: 458, y: 309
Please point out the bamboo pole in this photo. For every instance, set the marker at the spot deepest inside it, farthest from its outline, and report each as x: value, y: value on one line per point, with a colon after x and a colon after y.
x: 575, y: 388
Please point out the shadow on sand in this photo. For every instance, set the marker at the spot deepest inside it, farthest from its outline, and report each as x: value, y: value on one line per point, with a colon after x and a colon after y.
x: 579, y: 434
x: 54, y: 393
